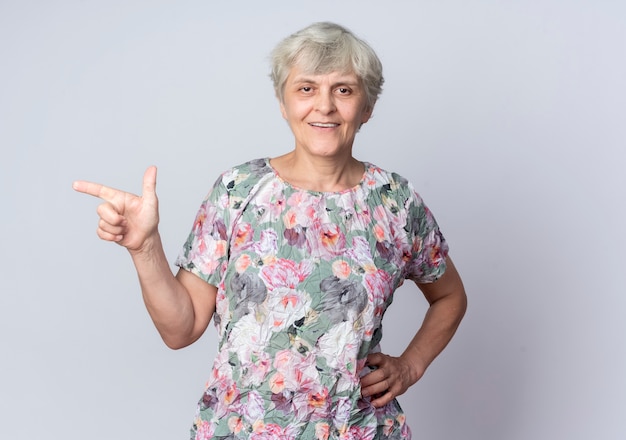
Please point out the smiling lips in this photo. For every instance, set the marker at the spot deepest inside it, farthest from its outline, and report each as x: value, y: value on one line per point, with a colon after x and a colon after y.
x: 323, y: 124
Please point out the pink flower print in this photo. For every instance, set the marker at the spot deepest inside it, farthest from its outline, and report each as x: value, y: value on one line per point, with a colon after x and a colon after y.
x: 405, y: 431
x: 227, y: 398
x: 290, y: 219
x: 298, y: 372
x: 235, y: 424
x: 254, y: 409
x: 225, y: 201
x: 362, y: 216
x: 380, y: 215
x: 322, y: 431
x: 401, y: 419
x: 308, y: 215
x: 242, y: 234
x: 341, y: 414
x: 204, y: 430
x: 359, y: 433
x: 285, y: 306
x: 304, y: 406
x: 272, y: 196
x: 277, y: 207
x: 208, y: 253
x: 318, y: 399
x: 218, y: 226
x: 301, y: 198
x: 207, y: 222
x: 332, y: 238
x: 436, y: 254
x: 379, y: 285
x: 285, y: 273
x: 283, y: 360
x: 277, y: 383
x: 199, y: 221
x: 222, y: 310
x: 403, y: 249
x: 417, y: 246
x: 387, y: 426
x: 432, y: 255
x: 275, y: 432
x: 406, y: 256
x: 257, y: 427
x: 231, y: 393
x: 268, y: 243
x: 242, y: 263
x: 379, y: 232
x: 272, y: 431
x: 222, y: 371
x: 258, y: 365
x: 310, y: 402
x: 326, y: 240
x: 341, y: 269
x: 370, y: 182
x: 303, y: 205
x: 359, y: 251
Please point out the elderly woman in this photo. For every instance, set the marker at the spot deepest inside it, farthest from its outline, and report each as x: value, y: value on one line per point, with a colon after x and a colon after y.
x: 297, y: 258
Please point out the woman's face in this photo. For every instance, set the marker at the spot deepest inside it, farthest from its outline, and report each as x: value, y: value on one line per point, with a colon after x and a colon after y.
x: 324, y: 111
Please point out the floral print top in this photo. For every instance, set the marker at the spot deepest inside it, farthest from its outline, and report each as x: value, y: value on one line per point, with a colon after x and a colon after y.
x: 303, y: 280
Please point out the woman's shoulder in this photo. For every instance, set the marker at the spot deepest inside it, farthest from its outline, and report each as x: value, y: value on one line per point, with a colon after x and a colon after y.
x: 381, y: 178
x: 241, y: 178
x: 387, y: 187
x: 250, y: 169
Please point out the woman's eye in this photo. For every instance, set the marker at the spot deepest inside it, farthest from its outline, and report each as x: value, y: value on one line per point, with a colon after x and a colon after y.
x: 306, y: 89
x: 343, y: 90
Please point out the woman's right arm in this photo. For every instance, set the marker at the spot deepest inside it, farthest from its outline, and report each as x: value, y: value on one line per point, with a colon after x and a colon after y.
x: 180, y: 306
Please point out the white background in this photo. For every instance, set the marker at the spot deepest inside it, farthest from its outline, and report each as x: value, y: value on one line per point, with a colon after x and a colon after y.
x: 508, y: 117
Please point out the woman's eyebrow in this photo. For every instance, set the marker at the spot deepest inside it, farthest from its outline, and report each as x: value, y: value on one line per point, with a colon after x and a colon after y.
x: 341, y: 81
x: 304, y: 79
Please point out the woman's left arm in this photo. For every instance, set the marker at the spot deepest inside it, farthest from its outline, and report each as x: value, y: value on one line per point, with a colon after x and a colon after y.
x: 394, y: 375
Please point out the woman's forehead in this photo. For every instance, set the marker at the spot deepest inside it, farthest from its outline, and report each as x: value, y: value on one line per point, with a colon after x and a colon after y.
x: 298, y: 74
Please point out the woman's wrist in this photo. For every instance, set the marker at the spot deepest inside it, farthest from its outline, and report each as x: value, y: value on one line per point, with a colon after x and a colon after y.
x: 150, y: 250
x: 415, y: 364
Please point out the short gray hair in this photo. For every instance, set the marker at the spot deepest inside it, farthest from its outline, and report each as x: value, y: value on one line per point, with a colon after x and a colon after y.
x: 323, y: 48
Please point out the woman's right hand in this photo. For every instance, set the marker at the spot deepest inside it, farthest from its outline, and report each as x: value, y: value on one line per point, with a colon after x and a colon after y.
x: 126, y: 219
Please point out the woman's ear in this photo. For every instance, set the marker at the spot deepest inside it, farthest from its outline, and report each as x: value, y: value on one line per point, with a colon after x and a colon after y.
x: 367, y: 114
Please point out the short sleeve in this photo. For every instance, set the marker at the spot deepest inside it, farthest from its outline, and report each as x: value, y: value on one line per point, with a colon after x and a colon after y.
x: 429, y: 248
x: 205, y: 253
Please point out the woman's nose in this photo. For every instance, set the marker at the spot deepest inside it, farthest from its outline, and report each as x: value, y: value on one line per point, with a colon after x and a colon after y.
x: 324, y: 102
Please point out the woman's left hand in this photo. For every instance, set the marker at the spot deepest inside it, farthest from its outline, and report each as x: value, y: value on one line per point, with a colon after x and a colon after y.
x: 392, y: 377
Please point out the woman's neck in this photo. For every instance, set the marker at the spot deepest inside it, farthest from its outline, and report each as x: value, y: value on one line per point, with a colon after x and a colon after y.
x: 318, y: 174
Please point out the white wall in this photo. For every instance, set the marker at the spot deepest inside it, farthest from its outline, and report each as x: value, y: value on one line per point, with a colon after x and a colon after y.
x: 507, y: 116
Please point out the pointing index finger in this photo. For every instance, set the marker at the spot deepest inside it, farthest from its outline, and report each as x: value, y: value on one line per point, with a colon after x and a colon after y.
x: 95, y: 189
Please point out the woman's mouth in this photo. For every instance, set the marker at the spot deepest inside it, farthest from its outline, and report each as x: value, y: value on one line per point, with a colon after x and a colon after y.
x: 324, y: 124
